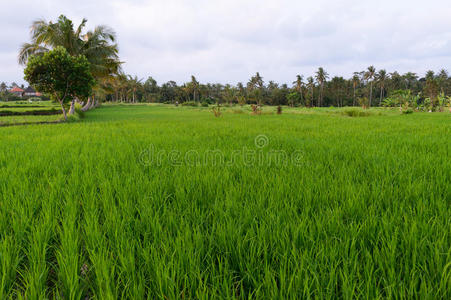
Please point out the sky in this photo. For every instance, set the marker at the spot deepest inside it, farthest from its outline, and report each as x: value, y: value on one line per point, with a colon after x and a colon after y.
x: 227, y: 41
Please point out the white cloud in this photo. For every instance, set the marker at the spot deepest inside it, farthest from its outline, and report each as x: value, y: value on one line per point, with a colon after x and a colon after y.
x: 228, y: 41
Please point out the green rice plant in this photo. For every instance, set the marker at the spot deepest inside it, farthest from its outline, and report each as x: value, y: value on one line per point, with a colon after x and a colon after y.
x: 125, y: 211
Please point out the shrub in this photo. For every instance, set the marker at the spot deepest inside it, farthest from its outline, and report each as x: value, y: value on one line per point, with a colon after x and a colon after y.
x: 408, y: 111
x: 216, y: 111
x: 204, y: 104
x: 256, y: 110
x: 190, y: 103
x: 356, y: 113
x: 79, y: 112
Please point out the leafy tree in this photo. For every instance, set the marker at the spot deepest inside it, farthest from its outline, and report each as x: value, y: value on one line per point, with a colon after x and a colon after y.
x: 98, y: 46
x: 3, y: 87
x: 58, y: 73
x: 431, y: 88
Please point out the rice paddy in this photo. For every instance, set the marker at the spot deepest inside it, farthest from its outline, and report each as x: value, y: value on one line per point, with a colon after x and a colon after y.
x: 164, y: 202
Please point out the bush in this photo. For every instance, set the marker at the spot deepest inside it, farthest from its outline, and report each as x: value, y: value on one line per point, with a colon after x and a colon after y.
x: 216, y: 111
x: 79, y: 112
x: 408, y: 111
x: 208, y: 100
x: 190, y: 103
x: 356, y: 113
x: 204, y: 104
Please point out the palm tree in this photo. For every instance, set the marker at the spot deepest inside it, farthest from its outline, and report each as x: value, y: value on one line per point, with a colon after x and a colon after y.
x: 355, y: 83
x: 134, y: 84
x: 432, y: 86
x: 256, y: 84
x: 369, y: 75
x: 311, y: 86
x: 98, y: 46
x: 321, y: 77
x: 194, y: 86
x: 442, y: 77
x: 3, y: 87
x: 298, y: 84
x: 381, y: 78
x: 409, y: 79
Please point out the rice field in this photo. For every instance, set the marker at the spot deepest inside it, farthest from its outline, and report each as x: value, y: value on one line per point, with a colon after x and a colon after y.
x: 164, y: 202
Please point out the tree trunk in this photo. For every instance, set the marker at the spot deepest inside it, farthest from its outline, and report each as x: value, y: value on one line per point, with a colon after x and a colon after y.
x: 371, y: 93
x: 72, y: 107
x: 87, y: 105
x: 380, y: 100
x: 353, y: 101
x: 64, y: 110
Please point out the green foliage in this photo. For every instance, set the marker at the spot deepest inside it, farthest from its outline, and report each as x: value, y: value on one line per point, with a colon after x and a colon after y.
x: 79, y: 112
x: 356, y: 113
x: 190, y: 103
x: 403, y: 98
x: 363, y: 214
x: 60, y: 74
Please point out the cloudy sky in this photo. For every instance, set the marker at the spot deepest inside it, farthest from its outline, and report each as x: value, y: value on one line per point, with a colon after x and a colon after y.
x: 229, y: 40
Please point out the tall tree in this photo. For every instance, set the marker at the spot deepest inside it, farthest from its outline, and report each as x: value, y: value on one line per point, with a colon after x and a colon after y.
x: 355, y: 83
x: 298, y: 85
x: 256, y: 86
x: 311, y: 86
x: 62, y: 75
x: 321, y: 77
x: 98, y: 45
x: 369, y: 75
x: 381, y: 78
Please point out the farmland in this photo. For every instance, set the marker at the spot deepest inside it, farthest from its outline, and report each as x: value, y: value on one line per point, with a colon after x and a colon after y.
x: 125, y: 204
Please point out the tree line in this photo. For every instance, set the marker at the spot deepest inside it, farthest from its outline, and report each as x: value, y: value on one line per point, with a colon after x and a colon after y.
x: 370, y: 87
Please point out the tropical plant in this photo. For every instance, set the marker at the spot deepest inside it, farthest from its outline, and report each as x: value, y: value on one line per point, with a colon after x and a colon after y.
x: 321, y: 77
x: 369, y: 75
x: 63, y: 76
x: 98, y: 46
x: 381, y: 78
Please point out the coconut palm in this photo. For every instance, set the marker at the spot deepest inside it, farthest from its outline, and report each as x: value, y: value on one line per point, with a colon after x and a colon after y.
x: 98, y: 45
x: 381, y: 78
x: 321, y: 77
x: 298, y: 84
x: 410, y: 79
x: 311, y: 86
x: 256, y: 85
x: 369, y: 75
x: 442, y: 77
x: 194, y: 85
x: 355, y: 83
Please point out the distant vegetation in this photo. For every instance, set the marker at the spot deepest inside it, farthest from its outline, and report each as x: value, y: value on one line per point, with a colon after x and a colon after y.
x: 367, y: 88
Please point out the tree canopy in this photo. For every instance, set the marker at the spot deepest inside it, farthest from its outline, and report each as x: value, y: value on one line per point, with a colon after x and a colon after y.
x: 61, y: 75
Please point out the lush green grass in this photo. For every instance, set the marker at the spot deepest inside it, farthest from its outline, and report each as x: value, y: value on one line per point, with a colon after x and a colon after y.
x: 363, y: 211
x: 9, y: 120
x: 24, y: 106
